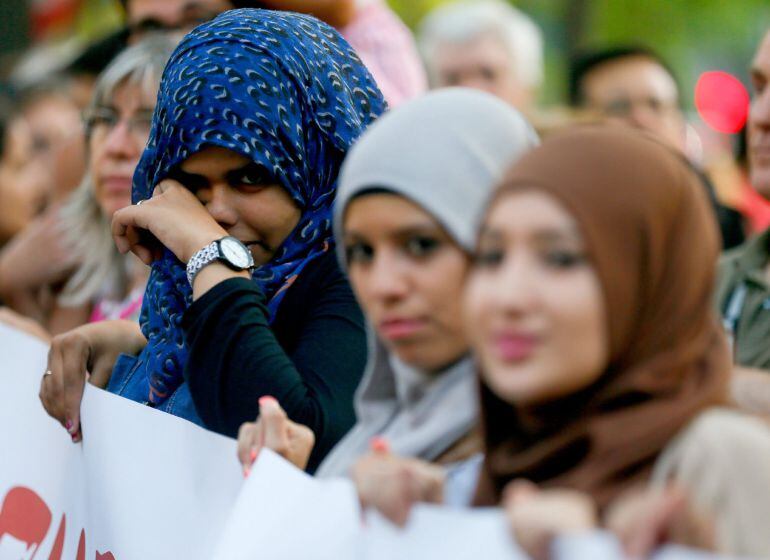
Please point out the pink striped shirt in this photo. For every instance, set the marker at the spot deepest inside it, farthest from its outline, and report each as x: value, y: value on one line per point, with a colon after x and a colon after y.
x: 387, y: 48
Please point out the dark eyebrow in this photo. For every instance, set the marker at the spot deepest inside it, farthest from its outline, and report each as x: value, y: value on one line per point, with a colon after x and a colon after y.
x: 541, y: 235
x: 418, y: 229
x: 190, y: 181
x: 548, y: 235
x: 264, y: 177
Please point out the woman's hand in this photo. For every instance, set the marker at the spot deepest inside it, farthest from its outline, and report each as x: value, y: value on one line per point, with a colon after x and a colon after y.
x: 538, y: 516
x: 644, y: 519
x: 173, y: 218
x: 394, y: 484
x: 273, y: 430
x: 86, y: 353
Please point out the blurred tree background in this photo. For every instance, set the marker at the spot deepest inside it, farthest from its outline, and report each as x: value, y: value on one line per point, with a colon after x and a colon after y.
x: 693, y: 35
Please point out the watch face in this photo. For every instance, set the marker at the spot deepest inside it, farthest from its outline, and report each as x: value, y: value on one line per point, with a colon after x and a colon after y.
x: 235, y: 252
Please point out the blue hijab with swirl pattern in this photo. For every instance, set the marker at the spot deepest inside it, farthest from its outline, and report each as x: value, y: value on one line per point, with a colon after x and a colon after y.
x: 282, y: 89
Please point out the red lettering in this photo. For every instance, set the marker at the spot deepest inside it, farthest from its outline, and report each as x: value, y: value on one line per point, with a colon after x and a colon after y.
x: 58, y: 544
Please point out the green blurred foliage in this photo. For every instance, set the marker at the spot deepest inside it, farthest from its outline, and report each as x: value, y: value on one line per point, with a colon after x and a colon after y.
x: 693, y: 35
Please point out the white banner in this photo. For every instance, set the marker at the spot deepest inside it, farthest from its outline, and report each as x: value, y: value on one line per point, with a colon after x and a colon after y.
x: 142, y: 484
x: 146, y: 485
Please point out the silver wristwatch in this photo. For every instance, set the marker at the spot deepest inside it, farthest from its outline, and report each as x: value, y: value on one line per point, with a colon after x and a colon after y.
x: 228, y: 250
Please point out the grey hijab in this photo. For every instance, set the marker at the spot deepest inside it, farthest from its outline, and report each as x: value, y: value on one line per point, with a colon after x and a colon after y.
x: 445, y: 152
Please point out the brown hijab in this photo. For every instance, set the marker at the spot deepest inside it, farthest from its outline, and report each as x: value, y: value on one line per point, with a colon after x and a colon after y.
x: 651, y: 235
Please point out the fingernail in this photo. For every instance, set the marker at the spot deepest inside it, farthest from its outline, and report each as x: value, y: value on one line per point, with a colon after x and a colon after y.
x: 253, y: 455
x: 379, y: 444
x: 246, y: 471
x: 68, y: 426
x: 267, y: 399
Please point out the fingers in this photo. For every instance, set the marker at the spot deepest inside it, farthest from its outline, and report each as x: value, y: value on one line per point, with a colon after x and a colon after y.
x: 131, y: 232
x: 640, y: 519
x: 275, y: 426
x: 430, y: 483
x: 248, y: 439
x: 74, y: 361
x: 379, y: 444
x: 124, y: 224
x: 61, y: 392
x: 392, y: 485
x: 538, y: 516
x: 301, y: 441
x: 51, y: 386
x: 398, y: 505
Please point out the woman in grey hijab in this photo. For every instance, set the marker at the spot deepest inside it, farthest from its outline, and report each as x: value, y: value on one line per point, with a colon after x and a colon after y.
x: 410, y: 195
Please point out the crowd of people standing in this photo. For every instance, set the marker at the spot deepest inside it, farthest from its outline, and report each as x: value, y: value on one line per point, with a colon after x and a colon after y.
x: 269, y: 226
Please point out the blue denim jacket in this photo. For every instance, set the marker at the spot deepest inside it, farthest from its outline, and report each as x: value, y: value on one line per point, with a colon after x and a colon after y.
x: 127, y: 383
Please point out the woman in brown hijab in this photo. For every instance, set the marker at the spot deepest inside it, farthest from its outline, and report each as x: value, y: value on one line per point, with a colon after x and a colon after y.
x: 589, y: 310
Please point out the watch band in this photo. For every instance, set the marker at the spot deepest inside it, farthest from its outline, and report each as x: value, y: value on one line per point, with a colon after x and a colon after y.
x: 207, y: 255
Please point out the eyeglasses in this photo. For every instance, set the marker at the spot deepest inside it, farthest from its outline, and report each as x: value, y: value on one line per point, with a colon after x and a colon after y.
x: 624, y: 106
x: 101, y: 121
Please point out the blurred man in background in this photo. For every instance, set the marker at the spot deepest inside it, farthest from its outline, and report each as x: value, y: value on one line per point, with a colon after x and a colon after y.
x: 635, y: 86
x: 743, y: 289
x: 632, y: 85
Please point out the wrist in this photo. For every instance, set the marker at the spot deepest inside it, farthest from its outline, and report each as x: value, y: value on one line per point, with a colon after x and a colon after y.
x: 199, y: 242
x: 225, y: 250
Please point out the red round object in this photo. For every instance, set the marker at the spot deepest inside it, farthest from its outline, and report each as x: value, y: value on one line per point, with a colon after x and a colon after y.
x: 722, y: 101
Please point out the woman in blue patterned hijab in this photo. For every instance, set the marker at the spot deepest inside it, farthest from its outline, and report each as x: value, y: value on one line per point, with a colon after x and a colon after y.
x: 284, y: 97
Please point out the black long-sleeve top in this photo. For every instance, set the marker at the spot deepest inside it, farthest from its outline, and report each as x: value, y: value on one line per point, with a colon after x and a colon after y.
x: 311, y: 359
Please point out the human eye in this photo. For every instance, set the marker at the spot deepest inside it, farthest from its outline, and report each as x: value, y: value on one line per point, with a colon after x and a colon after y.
x: 99, y: 118
x: 358, y: 253
x: 488, y: 74
x: 143, y: 120
x: 618, y: 107
x: 250, y: 179
x: 488, y: 257
x: 564, y: 258
x: 490, y: 251
x: 421, y: 245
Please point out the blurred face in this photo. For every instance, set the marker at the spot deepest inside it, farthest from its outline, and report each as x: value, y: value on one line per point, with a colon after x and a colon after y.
x: 24, y: 188
x: 58, y: 143
x: 534, y: 308
x: 119, y: 131
x: 407, y: 274
x: 145, y: 16
x: 242, y: 198
x: 759, y: 120
x: 640, y: 92
x: 483, y: 63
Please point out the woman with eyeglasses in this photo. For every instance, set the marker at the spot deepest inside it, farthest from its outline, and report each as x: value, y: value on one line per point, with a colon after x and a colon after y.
x: 98, y: 282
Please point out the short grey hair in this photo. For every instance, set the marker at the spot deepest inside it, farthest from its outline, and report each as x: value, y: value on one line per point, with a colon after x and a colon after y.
x: 103, y: 270
x: 464, y: 21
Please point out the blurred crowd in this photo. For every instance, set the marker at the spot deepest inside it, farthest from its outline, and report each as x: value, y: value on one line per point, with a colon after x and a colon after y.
x: 375, y: 252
